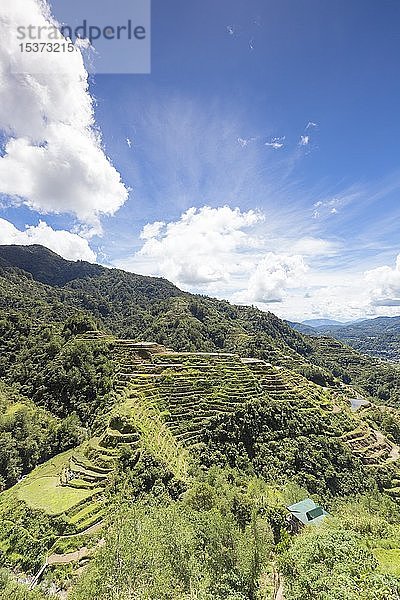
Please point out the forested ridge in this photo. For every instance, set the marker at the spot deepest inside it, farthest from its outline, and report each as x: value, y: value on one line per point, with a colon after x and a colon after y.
x: 51, y: 289
x: 378, y: 337
x: 166, y: 469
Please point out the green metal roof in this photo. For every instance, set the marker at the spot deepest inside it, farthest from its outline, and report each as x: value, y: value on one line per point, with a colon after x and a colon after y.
x: 307, y: 512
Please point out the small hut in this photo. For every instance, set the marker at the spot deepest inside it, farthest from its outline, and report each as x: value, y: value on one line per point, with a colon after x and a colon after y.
x: 305, y: 513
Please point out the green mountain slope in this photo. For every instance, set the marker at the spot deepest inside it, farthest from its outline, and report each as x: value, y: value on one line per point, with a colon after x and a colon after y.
x: 146, y: 308
x: 379, y: 337
x: 160, y: 436
x: 189, y: 410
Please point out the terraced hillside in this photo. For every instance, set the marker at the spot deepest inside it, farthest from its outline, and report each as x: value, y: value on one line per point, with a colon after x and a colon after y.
x: 377, y: 451
x: 169, y: 397
x: 35, y: 281
x: 164, y: 403
x: 228, y: 427
x: 283, y: 384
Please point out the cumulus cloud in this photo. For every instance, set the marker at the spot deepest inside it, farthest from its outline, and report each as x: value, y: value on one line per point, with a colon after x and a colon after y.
x: 202, y: 247
x: 384, y: 284
x: 272, y: 276
x: 220, y: 250
x: 53, y: 161
x: 69, y: 245
x: 151, y: 230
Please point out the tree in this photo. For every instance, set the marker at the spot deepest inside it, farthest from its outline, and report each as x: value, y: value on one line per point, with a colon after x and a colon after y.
x: 329, y: 564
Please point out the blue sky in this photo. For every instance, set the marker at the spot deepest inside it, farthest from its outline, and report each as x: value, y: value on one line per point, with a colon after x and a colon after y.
x: 282, y: 118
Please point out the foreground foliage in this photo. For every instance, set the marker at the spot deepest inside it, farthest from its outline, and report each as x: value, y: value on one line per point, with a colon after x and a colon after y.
x: 341, y: 558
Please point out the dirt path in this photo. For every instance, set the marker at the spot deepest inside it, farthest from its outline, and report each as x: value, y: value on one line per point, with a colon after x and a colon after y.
x: 69, y: 557
x: 279, y: 593
x: 394, y: 454
x: 92, y: 529
x: 63, y: 559
x: 278, y: 583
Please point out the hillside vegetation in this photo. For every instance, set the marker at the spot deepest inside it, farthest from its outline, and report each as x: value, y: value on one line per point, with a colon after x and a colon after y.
x: 152, y: 439
x: 147, y: 308
x: 379, y: 337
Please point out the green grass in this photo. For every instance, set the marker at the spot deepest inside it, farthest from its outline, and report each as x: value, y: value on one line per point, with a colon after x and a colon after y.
x: 42, y: 490
x: 85, y: 512
x: 46, y: 493
x: 81, y: 484
x: 91, y: 520
x: 51, y: 468
x: 389, y: 560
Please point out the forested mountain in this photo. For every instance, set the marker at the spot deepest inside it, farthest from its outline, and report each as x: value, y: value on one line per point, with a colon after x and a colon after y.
x: 378, y: 337
x: 151, y: 440
x: 148, y: 308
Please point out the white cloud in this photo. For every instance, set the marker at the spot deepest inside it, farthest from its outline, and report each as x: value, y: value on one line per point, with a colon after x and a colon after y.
x: 276, y: 143
x: 243, y: 142
x: 69, y: 245
x: 272, y: 276
x: 151, y: 230
x: 204, y: 246
x: 325, y: 208
x: 334, y: 294
x: 246, y: 141
x: 344, y: 294
x: 384, y: 285
x: 237, y: 255
x: 304, y: 140
x: 53, y: 161
x: 220, y: 251
x: 310, y: 246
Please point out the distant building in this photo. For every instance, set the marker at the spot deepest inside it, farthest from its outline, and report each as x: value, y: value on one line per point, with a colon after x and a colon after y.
x: 305, y: 513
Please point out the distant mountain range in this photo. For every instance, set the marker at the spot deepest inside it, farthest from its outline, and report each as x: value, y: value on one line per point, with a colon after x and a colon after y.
x: 322, y: 323
x: 378, y: 337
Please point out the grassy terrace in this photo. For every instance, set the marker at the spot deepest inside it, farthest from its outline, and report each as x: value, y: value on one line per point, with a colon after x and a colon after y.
x: 165, y: 401
x: 67, y: 491
x: 43, y: 488
x: 187, y: 389
x: 389, y: 560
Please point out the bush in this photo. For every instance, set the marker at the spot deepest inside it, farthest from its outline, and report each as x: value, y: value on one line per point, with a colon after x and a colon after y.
x: 329, y: 564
